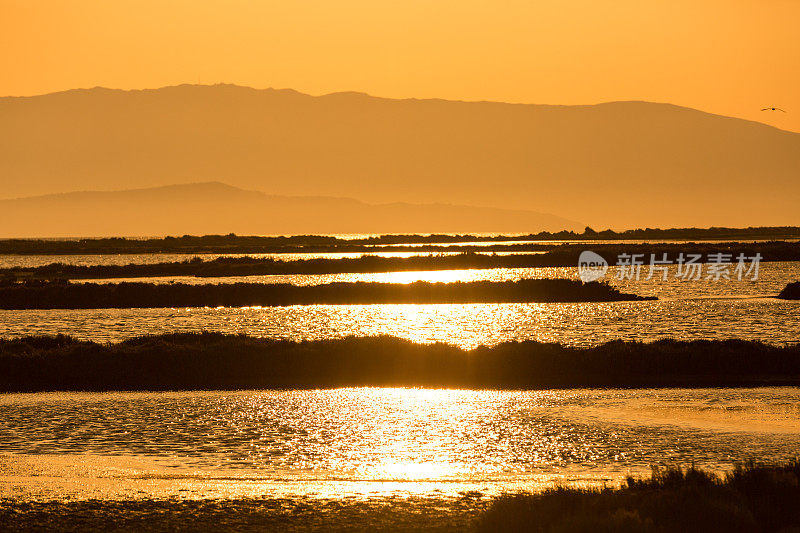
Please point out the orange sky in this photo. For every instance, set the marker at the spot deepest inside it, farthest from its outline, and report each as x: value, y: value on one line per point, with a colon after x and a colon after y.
x: 730, y: 57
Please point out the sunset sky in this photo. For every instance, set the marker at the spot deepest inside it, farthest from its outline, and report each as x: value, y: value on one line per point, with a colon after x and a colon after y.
x: 730, y: 57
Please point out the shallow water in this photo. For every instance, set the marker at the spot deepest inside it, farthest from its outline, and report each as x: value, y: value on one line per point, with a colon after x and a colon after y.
x: 693, y: 309
x: 378, y: 442
x: 466, y: 325
x: 370, y: 441
x: 772, y: 277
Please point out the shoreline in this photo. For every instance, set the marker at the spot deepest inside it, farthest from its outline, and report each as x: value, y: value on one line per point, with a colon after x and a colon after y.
x: 233, y: 243
x: 749, y: 498
x: 283, y: 514
x: 471, y: 258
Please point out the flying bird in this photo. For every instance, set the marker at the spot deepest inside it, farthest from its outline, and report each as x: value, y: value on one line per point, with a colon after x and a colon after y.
x: 773, y: 109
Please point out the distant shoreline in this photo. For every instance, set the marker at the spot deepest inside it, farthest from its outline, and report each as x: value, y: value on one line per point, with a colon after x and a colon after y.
x: 211, y: 361
x: 565, y: 255
x: 232, y: 243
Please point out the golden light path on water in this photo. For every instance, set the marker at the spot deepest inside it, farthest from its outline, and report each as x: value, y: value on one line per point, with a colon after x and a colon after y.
x: 772, y: 277
x: 697, y: 309
x: 465, y: 325
x: 368, y: 442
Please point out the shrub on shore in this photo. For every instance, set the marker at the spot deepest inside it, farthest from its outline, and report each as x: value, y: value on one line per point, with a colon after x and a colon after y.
x: 791, y: 291
x: 750, y: 499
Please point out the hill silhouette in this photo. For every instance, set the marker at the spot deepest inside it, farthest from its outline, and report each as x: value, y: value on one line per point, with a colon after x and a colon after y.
x: 620, y: 164
x: 213, y: 207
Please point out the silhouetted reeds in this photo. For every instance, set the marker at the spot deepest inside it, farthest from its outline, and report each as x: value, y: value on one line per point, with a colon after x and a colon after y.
x: 216, y: 361
x: 750, y: 499
x: 252, y: 266
x: 62, y: 295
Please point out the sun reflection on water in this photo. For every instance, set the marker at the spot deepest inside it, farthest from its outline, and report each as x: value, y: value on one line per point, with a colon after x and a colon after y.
x: 463, y: 325
x: 367, y: 441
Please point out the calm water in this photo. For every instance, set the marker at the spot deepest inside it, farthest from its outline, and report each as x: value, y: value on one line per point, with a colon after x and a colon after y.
x: 763, y: 319
x: 376, y: 441
x: 772, y: 277
x: 686, y: 310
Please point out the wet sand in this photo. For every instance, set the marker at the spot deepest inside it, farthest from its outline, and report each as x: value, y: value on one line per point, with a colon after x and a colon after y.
x: 289, y: 515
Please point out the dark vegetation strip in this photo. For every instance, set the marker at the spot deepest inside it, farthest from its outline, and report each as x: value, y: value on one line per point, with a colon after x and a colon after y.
x: 560, y: 256
x: 212, y: 361
x: 314, y: 243
x: 749, y: 499
x: 249, y: 266
x: 52, y: 295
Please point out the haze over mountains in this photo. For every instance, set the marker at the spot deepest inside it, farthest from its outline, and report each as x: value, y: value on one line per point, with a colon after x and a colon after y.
x: 216, y: 208
x: 619, y: 165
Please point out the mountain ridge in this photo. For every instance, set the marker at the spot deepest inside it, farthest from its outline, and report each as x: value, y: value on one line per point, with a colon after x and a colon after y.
x: 615, y: 164
x: 218, y: 208
x: 290, y: 91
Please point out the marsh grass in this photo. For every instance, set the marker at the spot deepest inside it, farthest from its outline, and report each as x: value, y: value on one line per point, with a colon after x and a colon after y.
x: 211, y: 361
x: 62, y: 295
x: 750, y: 499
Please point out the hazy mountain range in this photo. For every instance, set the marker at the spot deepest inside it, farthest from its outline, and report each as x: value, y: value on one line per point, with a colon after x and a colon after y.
x: 622, y: 164
x: 206, y: 208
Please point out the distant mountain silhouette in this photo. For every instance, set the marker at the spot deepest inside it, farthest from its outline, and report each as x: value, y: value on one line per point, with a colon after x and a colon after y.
x: 621, y: 164
x: 216, y: 208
